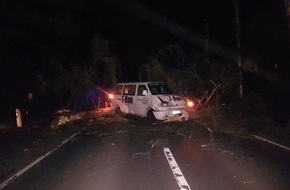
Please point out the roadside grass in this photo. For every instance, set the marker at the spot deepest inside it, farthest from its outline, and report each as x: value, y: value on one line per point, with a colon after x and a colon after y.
x: 237, y: 121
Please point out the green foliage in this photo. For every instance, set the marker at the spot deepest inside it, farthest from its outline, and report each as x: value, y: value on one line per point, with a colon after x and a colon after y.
x: 251, y: 106
x: 171, y: 55
x: 69, y: 83
x: 103, y: 57
x: 82, y: 79
x: 210, y: 78
x: 60, y: 81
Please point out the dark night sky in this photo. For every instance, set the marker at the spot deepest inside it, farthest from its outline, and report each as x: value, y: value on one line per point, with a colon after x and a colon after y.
x: 33, y: 32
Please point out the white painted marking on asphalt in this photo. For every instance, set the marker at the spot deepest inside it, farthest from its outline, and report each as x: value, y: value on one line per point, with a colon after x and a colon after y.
x: 25, y: 169
x: 209, y: 130
x: 179, y: 177
x: 271, y: 142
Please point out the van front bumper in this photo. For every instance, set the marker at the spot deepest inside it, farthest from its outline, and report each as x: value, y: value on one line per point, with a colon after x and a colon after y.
x: 171, y: 115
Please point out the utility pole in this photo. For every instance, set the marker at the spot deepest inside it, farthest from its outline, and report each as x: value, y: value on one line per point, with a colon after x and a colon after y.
x: 239, y: 58
x: 206, y: 40
x: 287, y: 8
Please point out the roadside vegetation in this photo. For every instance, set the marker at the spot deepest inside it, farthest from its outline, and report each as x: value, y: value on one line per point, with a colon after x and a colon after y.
x: 211, y: 82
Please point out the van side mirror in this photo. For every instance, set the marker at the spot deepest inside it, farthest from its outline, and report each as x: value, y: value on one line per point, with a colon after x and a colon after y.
x: 144, y: 92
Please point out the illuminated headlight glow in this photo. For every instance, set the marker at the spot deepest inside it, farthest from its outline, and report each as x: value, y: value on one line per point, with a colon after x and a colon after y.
x: 111, y: 96
x: 165, y: 104
x: 190, y: 104
x: 175, y: 112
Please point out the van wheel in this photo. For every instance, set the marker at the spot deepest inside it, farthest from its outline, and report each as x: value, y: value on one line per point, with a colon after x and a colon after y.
x: 150, y: 117
x: 118, y: 111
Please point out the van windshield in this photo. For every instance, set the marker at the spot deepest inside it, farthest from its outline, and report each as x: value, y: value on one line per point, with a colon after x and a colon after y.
x: 159, y: 88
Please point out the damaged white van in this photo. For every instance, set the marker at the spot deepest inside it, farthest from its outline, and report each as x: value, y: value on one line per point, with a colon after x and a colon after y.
x: 153, y: 100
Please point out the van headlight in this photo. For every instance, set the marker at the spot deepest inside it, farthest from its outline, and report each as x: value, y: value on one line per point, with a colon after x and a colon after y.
x: 176, y: 112
x: 165, y: 104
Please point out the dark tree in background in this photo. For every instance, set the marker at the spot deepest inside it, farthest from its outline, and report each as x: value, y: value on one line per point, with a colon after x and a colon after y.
x: 37, y: 34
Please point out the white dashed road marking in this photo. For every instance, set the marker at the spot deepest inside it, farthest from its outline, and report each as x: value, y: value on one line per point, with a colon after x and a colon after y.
x: 271, y: 142
x: 179, y: 177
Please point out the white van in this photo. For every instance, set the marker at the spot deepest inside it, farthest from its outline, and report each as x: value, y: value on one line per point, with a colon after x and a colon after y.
x: 153, y: 100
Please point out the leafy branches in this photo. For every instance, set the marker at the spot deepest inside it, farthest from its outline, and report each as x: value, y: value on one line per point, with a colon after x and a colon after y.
x: 69, y: 83
x: 103, y: 57
x: 211, y: 81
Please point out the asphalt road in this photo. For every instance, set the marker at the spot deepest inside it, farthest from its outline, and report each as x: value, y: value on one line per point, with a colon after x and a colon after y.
x: 110, y: 159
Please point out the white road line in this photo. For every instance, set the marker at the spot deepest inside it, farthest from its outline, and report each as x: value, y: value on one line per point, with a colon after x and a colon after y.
x: 179, y: 177
x: 209, y: 130
x: 25, y: 169
x: 271, y: 142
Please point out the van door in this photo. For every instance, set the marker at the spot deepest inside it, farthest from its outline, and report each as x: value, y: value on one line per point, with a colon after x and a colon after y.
x: 142, y: 103
x: 118, y: 89
x: 128, y: 98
